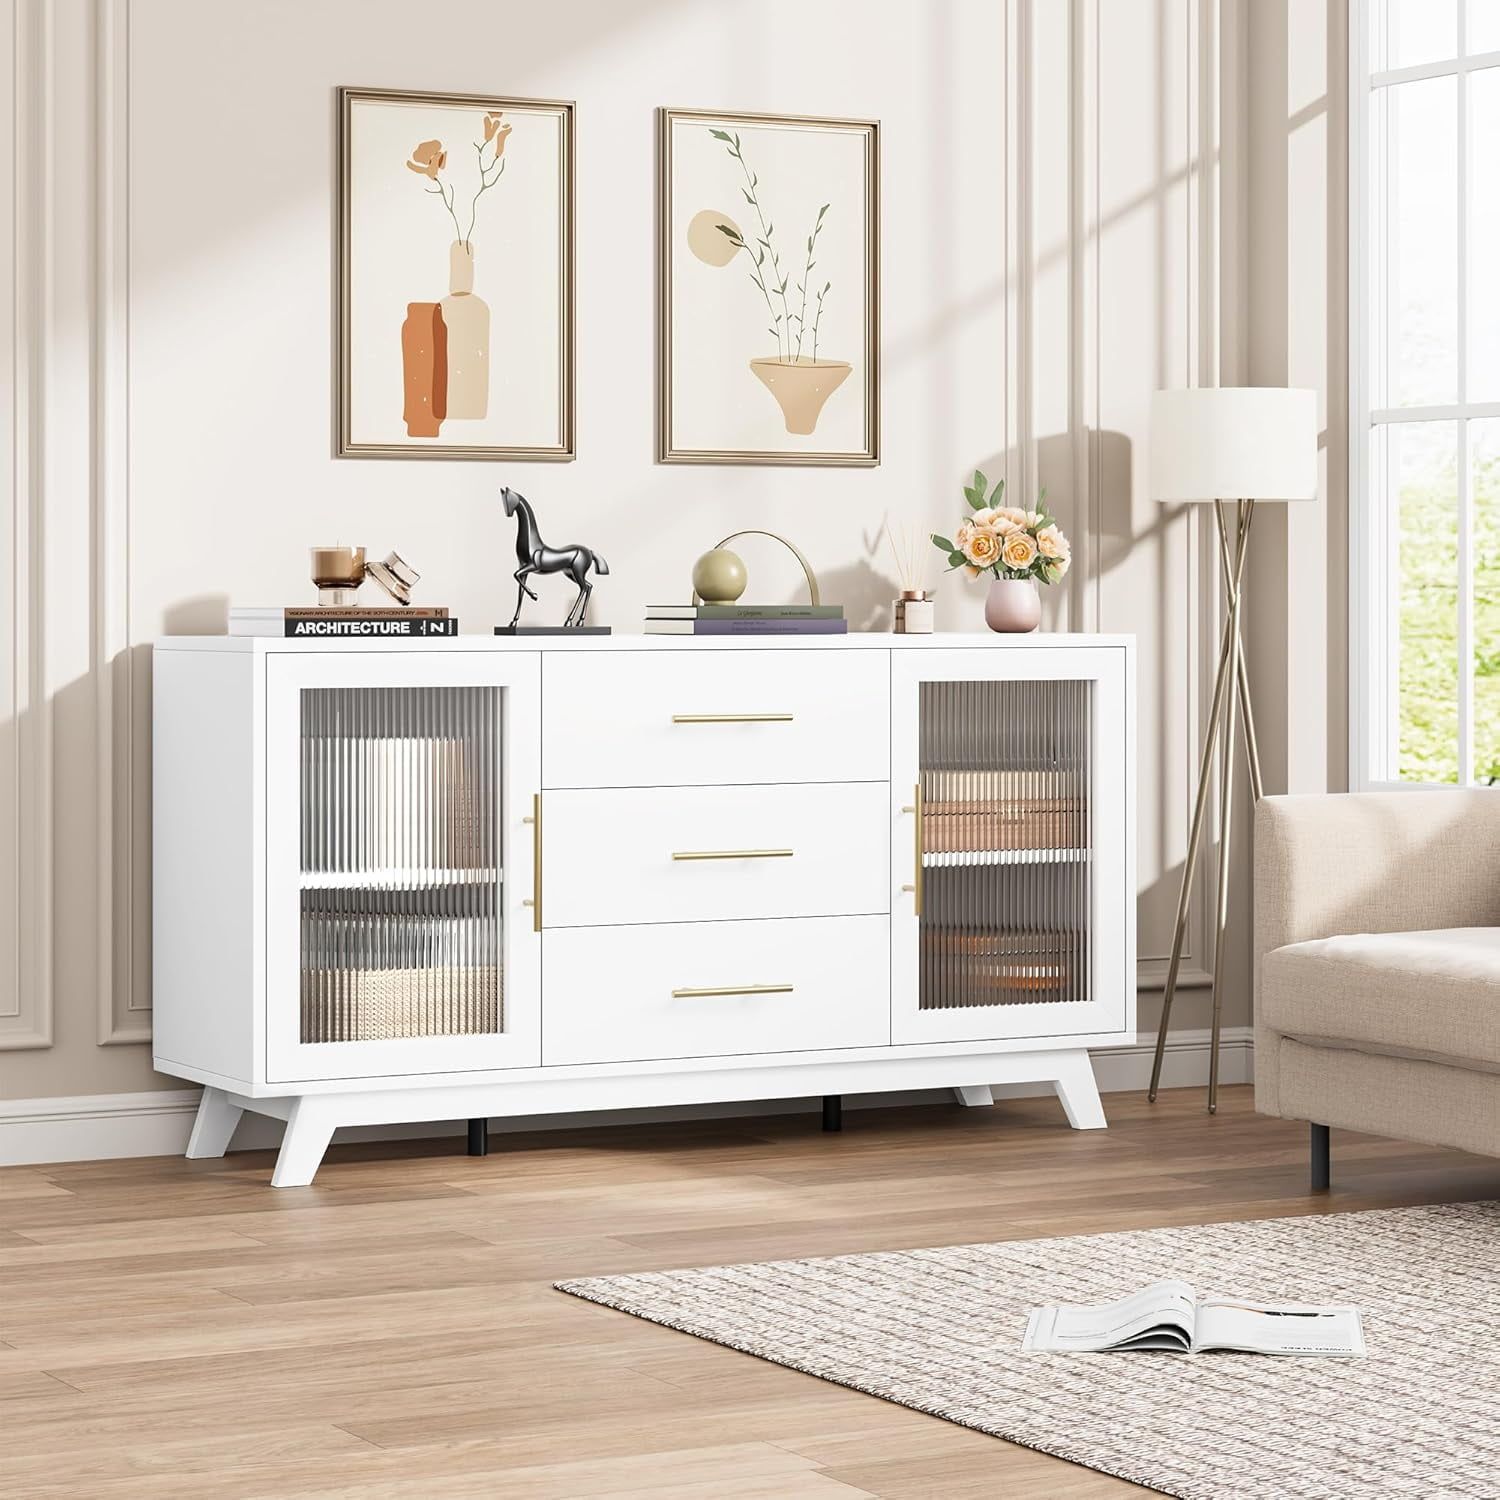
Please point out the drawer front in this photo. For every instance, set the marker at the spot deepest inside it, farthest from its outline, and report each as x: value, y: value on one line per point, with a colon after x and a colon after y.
x: 714, y: 989
x: 700, y: 717
x: 701, y: 854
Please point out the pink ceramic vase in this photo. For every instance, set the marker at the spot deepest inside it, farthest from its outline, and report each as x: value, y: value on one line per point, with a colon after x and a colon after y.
x: 1012, y: 606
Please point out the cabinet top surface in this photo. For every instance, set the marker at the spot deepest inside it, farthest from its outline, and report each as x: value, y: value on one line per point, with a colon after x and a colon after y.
x: 854, y: 641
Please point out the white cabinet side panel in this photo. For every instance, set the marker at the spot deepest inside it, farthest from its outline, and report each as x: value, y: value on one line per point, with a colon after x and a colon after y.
x: 205, y: 862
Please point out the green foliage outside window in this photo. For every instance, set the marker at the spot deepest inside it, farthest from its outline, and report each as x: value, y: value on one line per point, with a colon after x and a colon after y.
x: 1429, y: 664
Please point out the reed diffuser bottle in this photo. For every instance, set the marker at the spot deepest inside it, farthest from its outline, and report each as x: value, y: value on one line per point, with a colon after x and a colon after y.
x: 913, y: 608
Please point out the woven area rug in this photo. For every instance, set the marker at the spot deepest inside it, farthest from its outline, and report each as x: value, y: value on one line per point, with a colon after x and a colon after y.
x: 939, y: 1330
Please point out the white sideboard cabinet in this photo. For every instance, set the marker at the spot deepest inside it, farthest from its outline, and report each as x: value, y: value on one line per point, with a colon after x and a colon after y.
x: 473, y: 878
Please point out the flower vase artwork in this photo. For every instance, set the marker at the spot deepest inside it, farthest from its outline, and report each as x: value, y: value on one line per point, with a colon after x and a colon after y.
x: 800, y: 380
x: 1017, y: 548
x: 445, y: 346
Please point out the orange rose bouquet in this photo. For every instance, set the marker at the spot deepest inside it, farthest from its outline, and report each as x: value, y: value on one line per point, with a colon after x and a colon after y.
x: 1004, y: 541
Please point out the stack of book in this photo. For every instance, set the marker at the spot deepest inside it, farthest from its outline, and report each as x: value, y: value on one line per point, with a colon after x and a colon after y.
x: 746, y: 619
x: 342, y: 622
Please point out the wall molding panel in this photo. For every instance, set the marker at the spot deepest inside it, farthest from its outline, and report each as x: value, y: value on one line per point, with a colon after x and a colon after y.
x: 26, y: 911
x: 123, y: 992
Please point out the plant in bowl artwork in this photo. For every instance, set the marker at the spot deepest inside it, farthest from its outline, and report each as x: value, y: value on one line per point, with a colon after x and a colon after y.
x: 485, y: 369
x: 1017, y: 548
x: 769, y: 287
x: 800, y: 381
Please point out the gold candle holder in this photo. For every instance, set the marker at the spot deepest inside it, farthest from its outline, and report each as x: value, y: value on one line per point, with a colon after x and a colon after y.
x: 338, y: 573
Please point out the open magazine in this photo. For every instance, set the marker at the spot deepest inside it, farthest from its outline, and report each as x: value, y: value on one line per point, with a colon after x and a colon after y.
x: 1171, y: 1315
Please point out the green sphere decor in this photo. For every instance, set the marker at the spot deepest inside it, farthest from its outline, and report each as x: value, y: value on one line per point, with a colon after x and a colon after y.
x: 719, y: 576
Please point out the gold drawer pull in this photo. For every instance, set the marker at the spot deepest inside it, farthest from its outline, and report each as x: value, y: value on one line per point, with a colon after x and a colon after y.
x: 712, y: 991
x: 731, y: 718
x: 732, y: 854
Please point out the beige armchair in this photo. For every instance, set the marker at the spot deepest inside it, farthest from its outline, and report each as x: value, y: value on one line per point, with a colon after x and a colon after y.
x: 1377, y: 966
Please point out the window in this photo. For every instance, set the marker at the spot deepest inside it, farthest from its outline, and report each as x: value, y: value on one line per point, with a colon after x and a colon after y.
x: 1425, y: 390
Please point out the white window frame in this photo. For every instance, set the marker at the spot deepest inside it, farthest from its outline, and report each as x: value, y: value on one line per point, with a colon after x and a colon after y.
x: 1373, y: 624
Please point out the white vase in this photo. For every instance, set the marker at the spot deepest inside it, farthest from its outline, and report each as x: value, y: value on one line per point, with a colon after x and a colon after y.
x: 1012, y: 606
x: 468, y: 322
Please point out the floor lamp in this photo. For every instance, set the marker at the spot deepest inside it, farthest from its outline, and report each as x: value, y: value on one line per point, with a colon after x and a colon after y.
x: 1243, y: 444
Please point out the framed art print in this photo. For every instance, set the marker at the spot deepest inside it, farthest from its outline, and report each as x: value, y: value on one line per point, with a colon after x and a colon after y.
x: 769, y: 289
x: 455, y: 276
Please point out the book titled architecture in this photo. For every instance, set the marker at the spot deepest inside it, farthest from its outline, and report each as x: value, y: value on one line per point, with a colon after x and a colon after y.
x: 349, y: 622
x: 1170, y: 1315
x: 747, y: 627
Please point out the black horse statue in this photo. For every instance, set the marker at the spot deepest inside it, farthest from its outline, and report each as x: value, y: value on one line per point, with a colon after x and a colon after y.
x: 535, y: 556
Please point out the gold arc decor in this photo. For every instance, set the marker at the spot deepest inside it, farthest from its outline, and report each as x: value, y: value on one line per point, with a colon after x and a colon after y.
x: 807, y: 572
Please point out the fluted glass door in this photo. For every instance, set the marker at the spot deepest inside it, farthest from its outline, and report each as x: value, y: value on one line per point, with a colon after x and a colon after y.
x: 1008, y: 769
x: 1005, y: 843
x: 400, y: 873
x: 400, y: 862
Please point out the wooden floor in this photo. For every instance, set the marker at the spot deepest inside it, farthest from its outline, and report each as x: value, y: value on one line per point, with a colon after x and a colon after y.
x: 173, y: 1328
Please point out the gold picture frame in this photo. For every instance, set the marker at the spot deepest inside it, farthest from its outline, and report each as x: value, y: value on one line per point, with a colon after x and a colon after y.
x: 357, y: 434
x: 684, y: 439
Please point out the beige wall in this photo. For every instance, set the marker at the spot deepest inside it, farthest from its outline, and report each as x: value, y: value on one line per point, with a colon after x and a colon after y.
x: 1065, y: 229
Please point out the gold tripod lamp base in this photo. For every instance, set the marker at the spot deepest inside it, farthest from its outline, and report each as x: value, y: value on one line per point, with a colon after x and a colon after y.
x: 1226, y: 704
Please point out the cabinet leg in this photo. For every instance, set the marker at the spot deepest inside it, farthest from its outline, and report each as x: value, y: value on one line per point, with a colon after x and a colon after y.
x: 1079, y: 1092
x: 1321, y: 1173
x: 309, y: 1128
x: 214, y: 1125
x: 833, y: 1111
x: 479, y: 1137
x: 974, y: 1094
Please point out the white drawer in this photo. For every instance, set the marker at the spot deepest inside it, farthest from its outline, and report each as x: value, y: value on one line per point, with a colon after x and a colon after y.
x: 626, y: 994
x: 752, y: 851
x: 702, y: 718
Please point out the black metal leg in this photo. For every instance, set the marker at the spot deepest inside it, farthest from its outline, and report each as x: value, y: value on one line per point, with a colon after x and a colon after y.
x: 833, y: 1111
x: 1320, y: 1159
x: 479, y: 1137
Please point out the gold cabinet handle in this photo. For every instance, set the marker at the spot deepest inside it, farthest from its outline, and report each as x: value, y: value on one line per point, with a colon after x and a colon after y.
x: 916, y: 880
x: 732, y: 854
x: 731, y: 718
x: 535, y: 901
x: 713, y: 991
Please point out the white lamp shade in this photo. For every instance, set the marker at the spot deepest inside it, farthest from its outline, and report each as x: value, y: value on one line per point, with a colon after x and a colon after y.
x: 1234, y: 443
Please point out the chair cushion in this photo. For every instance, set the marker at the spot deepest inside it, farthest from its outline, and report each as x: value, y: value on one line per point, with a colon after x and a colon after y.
x: 1432, y: 994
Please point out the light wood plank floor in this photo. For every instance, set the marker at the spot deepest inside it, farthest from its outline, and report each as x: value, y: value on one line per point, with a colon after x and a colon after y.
x: 173, y: 1329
